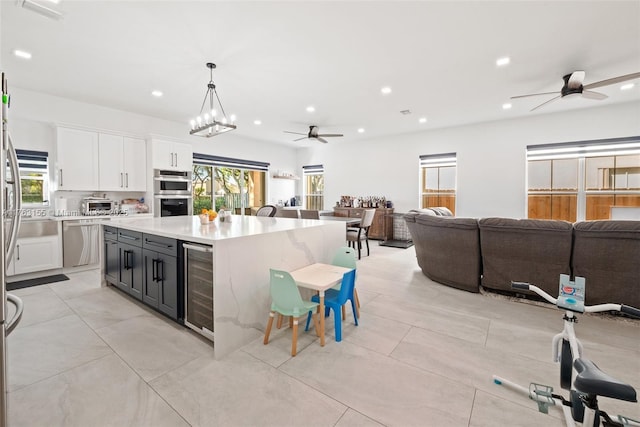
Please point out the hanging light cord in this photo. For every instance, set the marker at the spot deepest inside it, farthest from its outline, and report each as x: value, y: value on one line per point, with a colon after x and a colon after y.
x: 210, y: 91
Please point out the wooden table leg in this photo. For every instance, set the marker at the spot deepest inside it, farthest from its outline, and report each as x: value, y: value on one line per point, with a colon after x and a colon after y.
x: 321, y: 318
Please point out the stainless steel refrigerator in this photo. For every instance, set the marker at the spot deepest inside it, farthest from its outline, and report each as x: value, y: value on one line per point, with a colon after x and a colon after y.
x: 10, y: 203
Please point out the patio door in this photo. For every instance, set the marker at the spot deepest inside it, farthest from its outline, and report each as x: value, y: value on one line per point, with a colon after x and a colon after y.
x: 230, y: 184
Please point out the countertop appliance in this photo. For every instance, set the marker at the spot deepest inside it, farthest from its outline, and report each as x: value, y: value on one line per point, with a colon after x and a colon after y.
x: 98, y: 206
x: 81, y: 242
x: 10, y: 205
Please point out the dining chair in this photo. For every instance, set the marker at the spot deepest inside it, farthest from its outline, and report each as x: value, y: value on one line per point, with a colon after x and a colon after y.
x: 267, y: 210
x: 346, y: 257
x: 309, y: 214
x: 335, y: 300
x: 287, y: 213
x: 286, y: 300
x: 360, y: 233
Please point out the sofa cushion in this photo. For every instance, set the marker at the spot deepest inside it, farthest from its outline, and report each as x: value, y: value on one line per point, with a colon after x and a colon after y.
x: 607, y: 255
x: 447, y: 248
x: 526, y: 250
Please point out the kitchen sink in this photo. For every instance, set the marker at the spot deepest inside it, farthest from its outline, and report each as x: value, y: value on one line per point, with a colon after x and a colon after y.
x: 38, y: 228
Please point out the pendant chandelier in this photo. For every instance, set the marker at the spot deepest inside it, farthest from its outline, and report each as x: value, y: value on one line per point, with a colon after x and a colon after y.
x: 210, y: 123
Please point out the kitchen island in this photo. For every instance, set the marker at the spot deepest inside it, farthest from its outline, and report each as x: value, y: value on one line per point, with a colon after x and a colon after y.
x: 242, y: 251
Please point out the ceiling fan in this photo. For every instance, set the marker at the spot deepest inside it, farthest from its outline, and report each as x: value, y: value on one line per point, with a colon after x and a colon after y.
x: 313, y: 134
x: 573, y: 86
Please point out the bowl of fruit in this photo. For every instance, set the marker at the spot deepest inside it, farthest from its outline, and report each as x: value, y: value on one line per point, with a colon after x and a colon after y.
x: 207, y: 216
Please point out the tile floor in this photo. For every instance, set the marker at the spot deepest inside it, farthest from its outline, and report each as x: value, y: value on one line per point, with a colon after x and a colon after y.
x: 423, y: 355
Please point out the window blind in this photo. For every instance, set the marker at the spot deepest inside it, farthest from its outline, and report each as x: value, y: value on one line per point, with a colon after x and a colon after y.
x: 437, y: 160
x: 593, y: 148
x: 32, y: 161
x: 229, y: 162
x: 312, y: 170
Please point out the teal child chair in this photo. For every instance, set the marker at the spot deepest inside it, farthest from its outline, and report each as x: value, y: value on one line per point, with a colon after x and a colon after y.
x: 335, y: 300
x: 286, y: 300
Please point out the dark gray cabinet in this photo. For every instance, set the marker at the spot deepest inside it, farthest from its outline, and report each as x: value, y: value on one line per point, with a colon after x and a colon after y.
x: 161, y: 274
x: 111, y: 255
x: 131, y: 262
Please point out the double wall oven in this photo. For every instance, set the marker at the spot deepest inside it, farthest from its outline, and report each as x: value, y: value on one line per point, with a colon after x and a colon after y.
x: 172, y: 193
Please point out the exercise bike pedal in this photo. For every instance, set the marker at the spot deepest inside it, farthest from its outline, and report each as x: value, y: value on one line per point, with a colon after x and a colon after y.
x: 542, y: 394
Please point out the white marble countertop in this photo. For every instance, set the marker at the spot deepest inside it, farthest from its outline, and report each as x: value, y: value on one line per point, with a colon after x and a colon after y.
x: 189, y: 228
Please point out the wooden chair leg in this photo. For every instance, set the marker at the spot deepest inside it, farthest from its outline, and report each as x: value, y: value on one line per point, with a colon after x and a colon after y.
x: 268, y: 331
x: 291, y: 321
x: 279, y: 323
x: 294, y: 339
x: 344, y: 313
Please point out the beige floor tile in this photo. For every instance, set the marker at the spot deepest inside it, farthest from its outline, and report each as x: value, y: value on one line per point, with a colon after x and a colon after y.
x: 42, y: 306
x: 153, y: 346
x: 79, y: 284
x: 244, y: 391
x: 386, y: 390
x: 490, y: 411
x: 352, y: 418
x: 45, y: 349
x: 104, y: 392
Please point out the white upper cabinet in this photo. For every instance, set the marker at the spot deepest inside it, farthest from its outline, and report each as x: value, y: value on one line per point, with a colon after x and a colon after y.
x: 170, y: 155
x: 122, y: 163
x: 77, y: 159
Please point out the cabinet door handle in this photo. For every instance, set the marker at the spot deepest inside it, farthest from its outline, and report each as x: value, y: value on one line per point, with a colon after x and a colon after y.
x: 17, y: 252
x: 154, y: 270
x: 124, y: 236
x: 61, y: 184
x: 127, y: 266
x: 121, y: 181
x: 126, y: 179
x: 160, y: 273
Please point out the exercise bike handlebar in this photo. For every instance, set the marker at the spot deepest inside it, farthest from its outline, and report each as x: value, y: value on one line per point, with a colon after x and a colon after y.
x: 632, y: 311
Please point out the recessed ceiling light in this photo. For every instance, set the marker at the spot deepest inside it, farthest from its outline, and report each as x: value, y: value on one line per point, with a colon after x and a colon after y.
x: 156, y: 93
x: 385, y: 90
x: 360, y: 130
x: 422, y: 120
x: 627, y: 86
x: 22, y: 54
x: 501, y: 62
x: 506, y: 106
x: 310, y: 109
x: 257, y: 122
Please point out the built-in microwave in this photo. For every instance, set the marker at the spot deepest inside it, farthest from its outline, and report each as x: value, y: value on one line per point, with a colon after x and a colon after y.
x: 172, y: 205
x: 166, y: 182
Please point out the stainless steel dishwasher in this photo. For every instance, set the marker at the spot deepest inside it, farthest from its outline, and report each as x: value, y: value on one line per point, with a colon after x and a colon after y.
x: 80, y: 242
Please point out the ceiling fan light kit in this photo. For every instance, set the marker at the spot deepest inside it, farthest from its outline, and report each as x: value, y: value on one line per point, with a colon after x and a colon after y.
x: 209, y: 124
x: 313, y: 134
x: 573, y: 87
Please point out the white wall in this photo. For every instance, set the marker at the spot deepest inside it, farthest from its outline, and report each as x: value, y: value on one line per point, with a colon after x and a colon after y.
x: 491, y: 158
x: 34, y: 114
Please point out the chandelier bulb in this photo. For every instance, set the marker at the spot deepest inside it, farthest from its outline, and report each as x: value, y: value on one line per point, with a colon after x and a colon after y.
x: 206, y: 118
x: 199, y: 120
x: 213, y: 113
x: 233, y: 118
x: 193, y: 124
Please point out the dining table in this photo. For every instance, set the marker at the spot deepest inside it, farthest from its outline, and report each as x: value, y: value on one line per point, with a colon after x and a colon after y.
x: 319, y: 277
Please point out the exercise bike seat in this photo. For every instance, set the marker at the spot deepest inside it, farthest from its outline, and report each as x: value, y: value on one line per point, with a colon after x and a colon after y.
x: 591, y: 380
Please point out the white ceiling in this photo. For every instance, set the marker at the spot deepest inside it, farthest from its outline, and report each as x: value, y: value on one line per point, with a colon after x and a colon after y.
x: 276, y: 58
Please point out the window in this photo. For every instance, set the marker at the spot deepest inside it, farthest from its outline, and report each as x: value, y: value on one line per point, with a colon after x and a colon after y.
x: 233, y: 184
x: 313, y: 186
x: 34, y: 177
x: 583, y: 180
x: 438, y: 181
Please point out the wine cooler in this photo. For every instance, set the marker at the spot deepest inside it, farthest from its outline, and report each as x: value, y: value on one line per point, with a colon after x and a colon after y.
x: 198, y: 287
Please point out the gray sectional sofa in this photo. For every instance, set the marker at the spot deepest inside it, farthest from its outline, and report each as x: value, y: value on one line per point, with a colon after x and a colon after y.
x: 491, y: 252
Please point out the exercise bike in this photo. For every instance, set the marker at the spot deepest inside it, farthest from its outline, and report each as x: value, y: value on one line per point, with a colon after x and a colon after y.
x: 589, y: 381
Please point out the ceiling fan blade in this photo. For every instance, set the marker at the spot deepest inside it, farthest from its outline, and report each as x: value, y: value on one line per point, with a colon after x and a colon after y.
x: 593, y: 95
x: 324, y: 141
x: 546, y: 102
x: 534, y: 94
x: 300, y: 139
x: 576, y: 79
x: 331, y: 134
x: 295, y: 133
x: 613, y: 81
